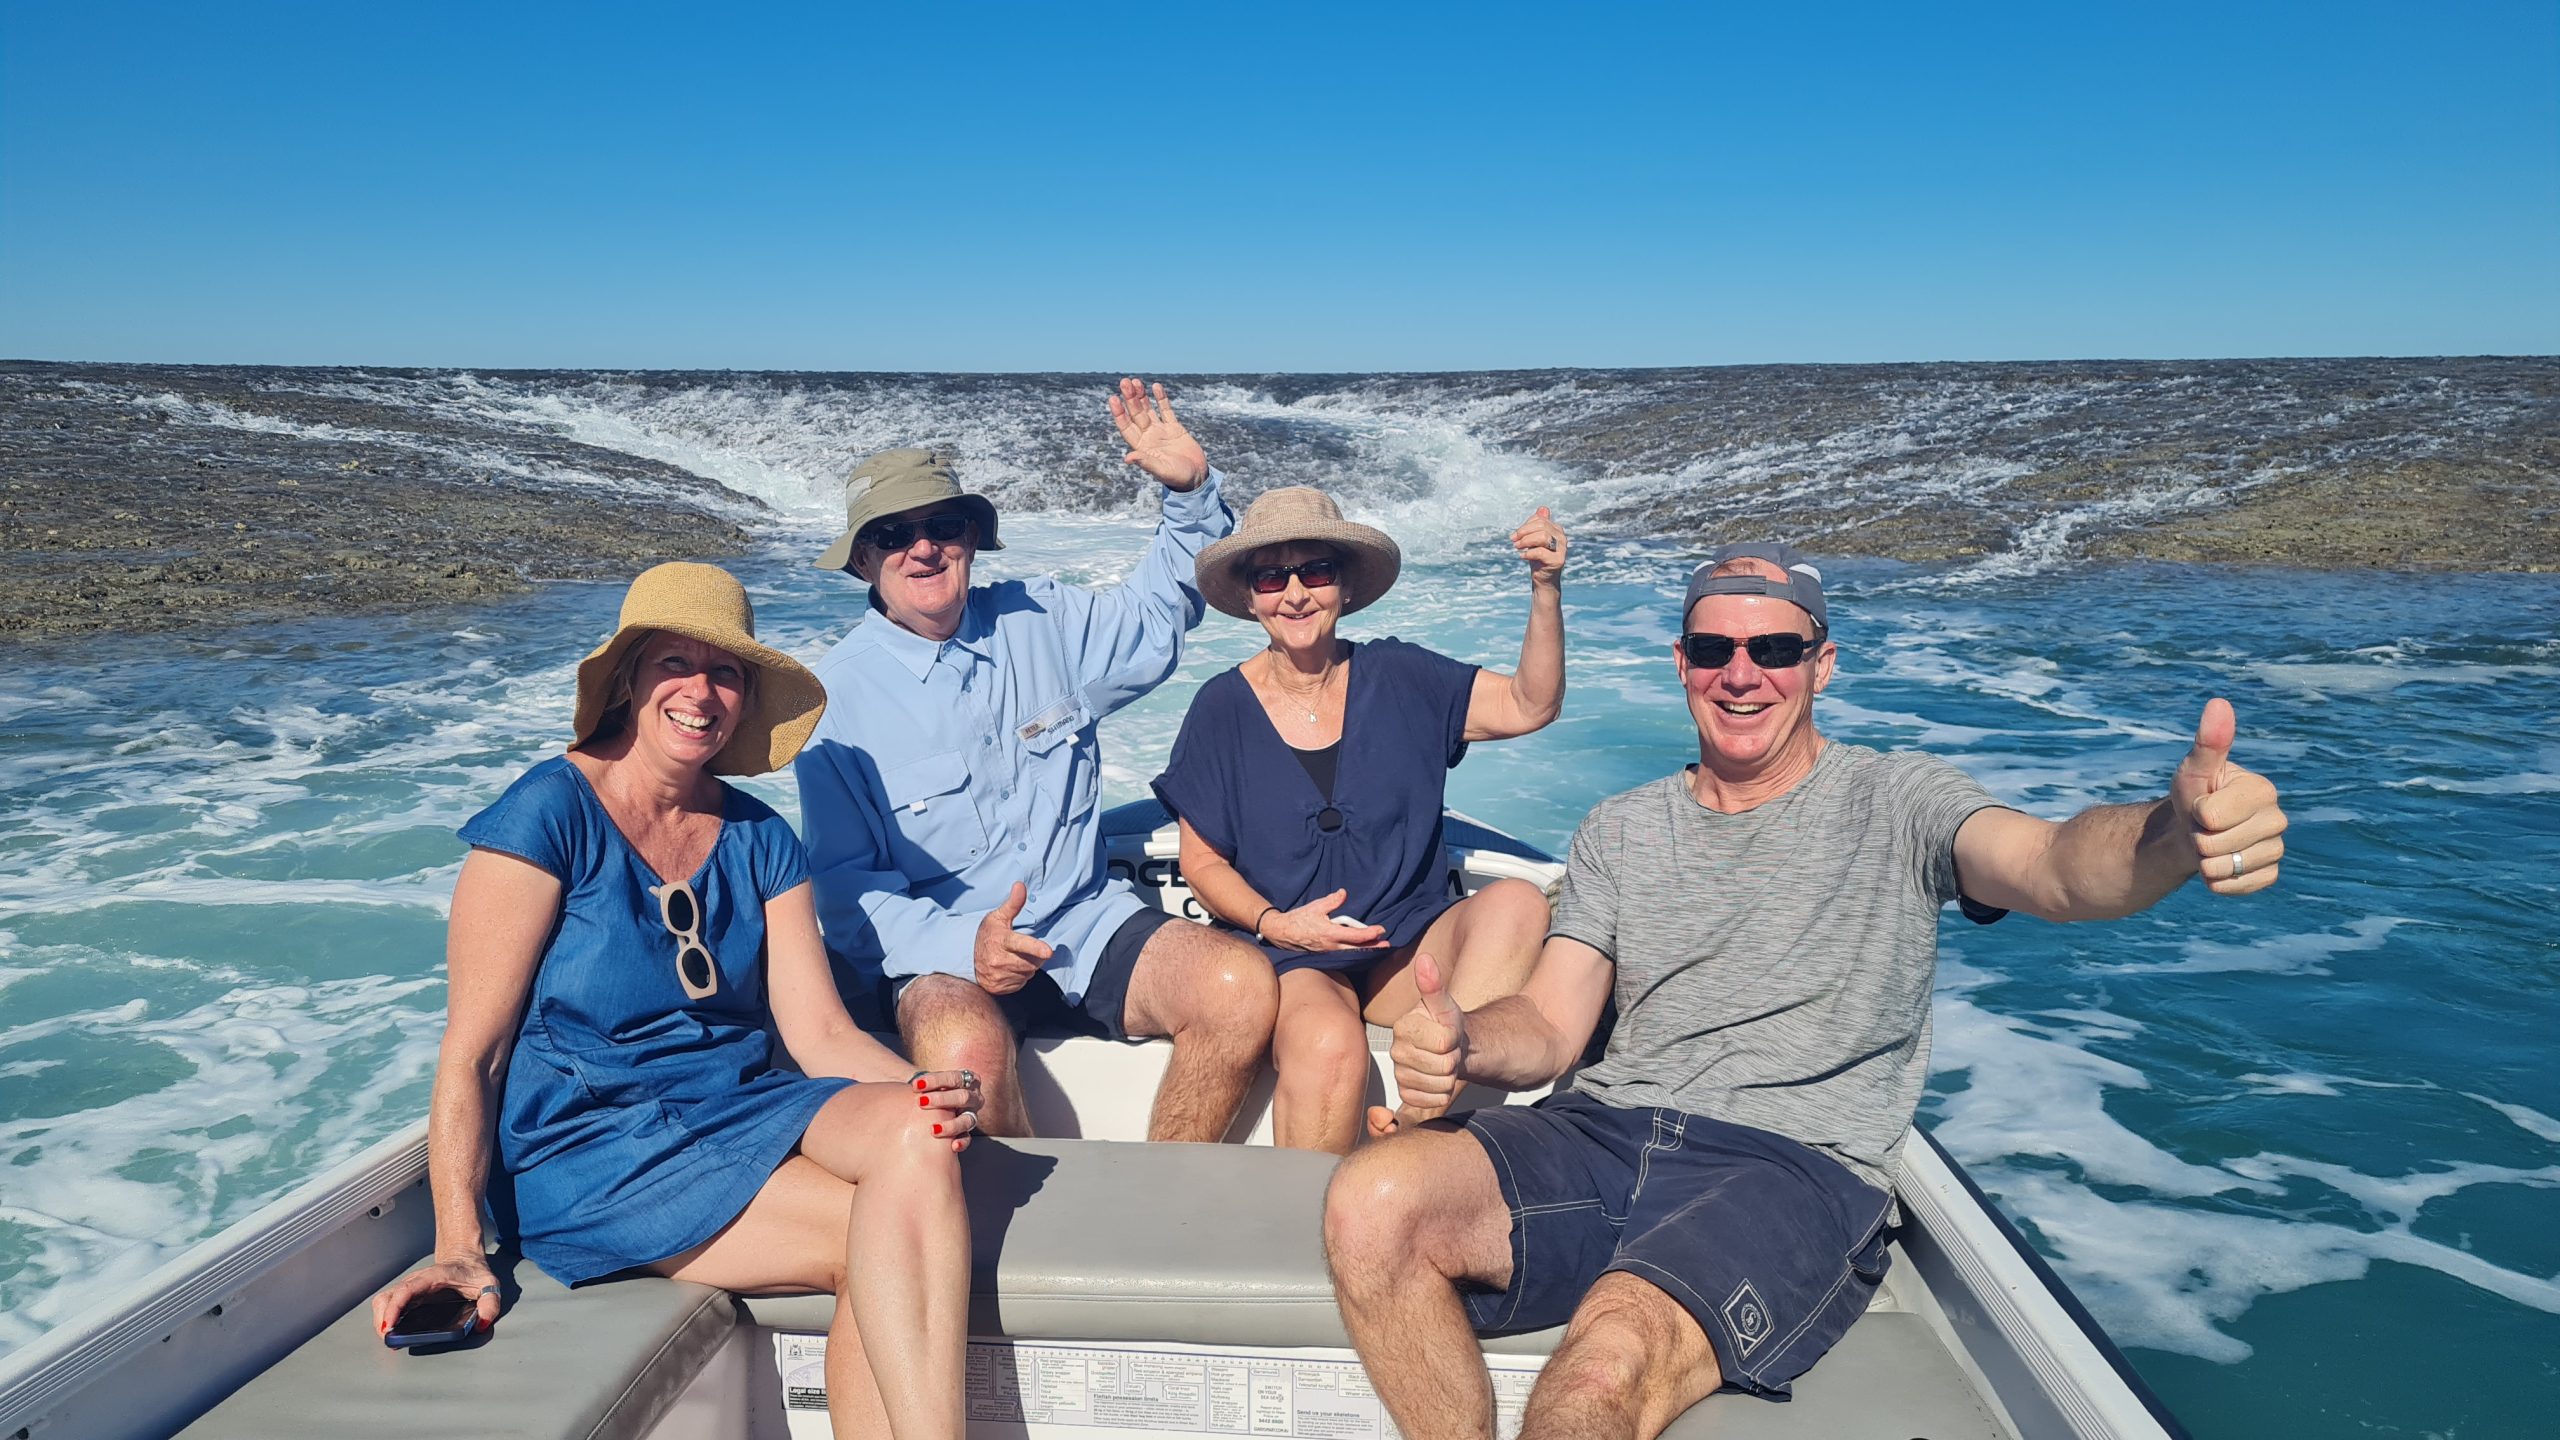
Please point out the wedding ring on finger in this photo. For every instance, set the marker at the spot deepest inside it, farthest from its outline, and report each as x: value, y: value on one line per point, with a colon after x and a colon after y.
x: 968, y: 1079
x: 2237, y: 865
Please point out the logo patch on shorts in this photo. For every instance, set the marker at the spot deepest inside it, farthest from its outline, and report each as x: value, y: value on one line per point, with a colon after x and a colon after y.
x: 1747, y: 1318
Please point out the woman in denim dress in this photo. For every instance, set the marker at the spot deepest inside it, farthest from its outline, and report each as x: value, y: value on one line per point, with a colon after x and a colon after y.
x: 627, y: 935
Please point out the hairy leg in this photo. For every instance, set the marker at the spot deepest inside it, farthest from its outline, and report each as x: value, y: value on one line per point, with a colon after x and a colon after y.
x: 949, y: 1023
x: 1404, y: 1221
x: 1321, y: 1050
x: 1632, y: 1360
x: 1214, y: 997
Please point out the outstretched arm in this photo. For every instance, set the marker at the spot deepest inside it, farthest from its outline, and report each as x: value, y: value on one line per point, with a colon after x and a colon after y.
x: 2218, y: 820
x: 1502, y: 706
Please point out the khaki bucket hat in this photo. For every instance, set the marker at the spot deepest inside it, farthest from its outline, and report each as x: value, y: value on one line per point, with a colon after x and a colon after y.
x: 1295, y: 513
x: 895, y: 481
x: 706, y: 603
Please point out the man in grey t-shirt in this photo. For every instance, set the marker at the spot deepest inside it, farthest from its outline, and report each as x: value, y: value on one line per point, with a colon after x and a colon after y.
x: 1707, y: 1204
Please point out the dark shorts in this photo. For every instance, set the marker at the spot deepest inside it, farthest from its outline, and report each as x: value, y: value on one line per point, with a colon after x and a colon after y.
x: 1773, y: 1247
x: 1041, y: 1008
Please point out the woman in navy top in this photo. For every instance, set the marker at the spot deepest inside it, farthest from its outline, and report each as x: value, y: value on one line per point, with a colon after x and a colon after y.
x: 627, y: 935
x: 1309, y: 784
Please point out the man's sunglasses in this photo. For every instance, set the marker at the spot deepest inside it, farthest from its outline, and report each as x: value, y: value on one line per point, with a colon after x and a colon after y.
x: 941, y: 529
x: 681, y: 912
x: 1769, y: 652
x: 1314, y: 574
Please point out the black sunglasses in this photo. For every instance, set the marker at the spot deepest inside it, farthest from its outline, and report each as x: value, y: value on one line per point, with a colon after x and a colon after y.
x: 681, y: 913
x: 1769, y: 652
x: 1314, y: 574
x: 941, y: 529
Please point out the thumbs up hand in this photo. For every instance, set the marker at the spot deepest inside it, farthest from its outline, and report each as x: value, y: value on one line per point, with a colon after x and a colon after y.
x: 1005, y: 958
x: 2231, y: 811
x: 1430, y: 1044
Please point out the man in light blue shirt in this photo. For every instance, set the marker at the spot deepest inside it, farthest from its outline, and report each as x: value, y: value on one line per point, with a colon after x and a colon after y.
x: 951, y: 796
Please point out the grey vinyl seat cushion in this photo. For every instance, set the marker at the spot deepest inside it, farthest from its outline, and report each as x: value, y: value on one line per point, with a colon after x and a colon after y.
x: 602, y: 1363
x: 1072, y: 1240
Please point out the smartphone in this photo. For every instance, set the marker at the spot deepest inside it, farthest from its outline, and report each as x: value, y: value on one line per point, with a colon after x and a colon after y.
x: 442, y: 1318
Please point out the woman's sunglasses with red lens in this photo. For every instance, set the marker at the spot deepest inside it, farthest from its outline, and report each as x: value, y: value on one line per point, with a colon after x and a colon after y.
x: 1314, y: 574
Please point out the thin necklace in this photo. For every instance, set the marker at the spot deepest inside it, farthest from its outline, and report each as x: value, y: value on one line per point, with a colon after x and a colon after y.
x: 1294, y: 696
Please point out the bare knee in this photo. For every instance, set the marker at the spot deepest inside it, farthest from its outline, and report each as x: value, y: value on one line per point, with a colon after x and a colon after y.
x: 1516, y: 907
x: 1212, y: 984
x: 950, y: 1023
x: 1372, y: 1208
x: 1322, y: 1051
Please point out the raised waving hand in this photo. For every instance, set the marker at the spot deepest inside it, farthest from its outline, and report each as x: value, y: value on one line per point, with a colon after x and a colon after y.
x: 1157, y: 442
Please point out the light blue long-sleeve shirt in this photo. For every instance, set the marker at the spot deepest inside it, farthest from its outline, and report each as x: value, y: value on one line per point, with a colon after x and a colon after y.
x: 945, y: 771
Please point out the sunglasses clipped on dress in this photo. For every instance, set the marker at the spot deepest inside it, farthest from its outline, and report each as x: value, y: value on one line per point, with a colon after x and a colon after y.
x: 1770, y: 652
x: 680, y: 910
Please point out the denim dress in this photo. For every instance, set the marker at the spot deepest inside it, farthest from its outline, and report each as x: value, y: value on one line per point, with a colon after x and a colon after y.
x: 1404, y: 727
x: 636, y: 1122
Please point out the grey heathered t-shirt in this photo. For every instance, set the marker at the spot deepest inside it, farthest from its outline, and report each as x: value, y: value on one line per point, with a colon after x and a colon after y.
x: 1774, y: 967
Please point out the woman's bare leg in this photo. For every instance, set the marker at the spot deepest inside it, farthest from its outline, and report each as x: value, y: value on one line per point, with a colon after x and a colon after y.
x: 791, y: 1239
x: 1486, y: 945
x: 871, y: 1210
x: 1320, y: 1049
x: 906, y: 1251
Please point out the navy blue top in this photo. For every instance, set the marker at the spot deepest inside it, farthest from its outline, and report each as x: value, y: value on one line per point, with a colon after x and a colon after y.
x: 1404, y: 725
x: 636, y: 1122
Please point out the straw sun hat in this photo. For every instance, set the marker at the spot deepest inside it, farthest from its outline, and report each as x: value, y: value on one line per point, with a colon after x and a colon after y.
x: 706, y: 603
x: 1298, y: 513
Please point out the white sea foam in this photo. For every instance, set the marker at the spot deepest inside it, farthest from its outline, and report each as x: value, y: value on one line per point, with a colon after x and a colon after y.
x: 2296, y: 954
x: 2167, y: 1267
x: 2531, y: 1121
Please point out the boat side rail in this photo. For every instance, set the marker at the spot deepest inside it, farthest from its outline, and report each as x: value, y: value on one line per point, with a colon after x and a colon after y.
x: 2054, y: 1370
x: 198, y: 1327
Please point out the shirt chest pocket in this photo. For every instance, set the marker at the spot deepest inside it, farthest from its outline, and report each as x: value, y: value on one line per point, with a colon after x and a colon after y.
x: 934, y: 823
x: 1055, y: 724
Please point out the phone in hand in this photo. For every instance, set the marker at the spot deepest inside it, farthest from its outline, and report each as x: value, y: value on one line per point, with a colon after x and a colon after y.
x: 438, y: 1318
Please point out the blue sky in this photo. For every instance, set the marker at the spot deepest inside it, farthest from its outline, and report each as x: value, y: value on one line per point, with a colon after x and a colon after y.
x: 1299, y: 187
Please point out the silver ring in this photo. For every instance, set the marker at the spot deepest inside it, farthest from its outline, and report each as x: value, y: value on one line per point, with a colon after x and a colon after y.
x: 2237, y: 865
x: 968, y: 1079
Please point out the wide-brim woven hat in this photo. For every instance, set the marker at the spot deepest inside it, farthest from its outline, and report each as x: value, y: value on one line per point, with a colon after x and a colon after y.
x: 1298, y: 513
x: 706, y: 603
x: 896, y: 481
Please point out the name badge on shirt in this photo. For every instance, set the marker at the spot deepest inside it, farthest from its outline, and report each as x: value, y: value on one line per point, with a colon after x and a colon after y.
x: 1046, y: 720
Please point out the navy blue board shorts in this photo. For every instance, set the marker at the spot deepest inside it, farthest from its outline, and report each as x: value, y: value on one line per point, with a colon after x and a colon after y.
x: 1772, y: 1246
x: 1040, y: 1007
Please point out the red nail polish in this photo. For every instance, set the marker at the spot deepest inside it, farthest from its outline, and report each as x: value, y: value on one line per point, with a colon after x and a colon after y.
x: 923, y: 1101
x: 920, y: 1082
x: 937, y: 1129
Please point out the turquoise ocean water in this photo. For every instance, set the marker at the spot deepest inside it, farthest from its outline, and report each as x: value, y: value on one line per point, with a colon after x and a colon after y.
x: 2300, y: 1154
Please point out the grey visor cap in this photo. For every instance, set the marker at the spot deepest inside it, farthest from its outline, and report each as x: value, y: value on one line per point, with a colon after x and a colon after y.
x: 1802, y: 587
